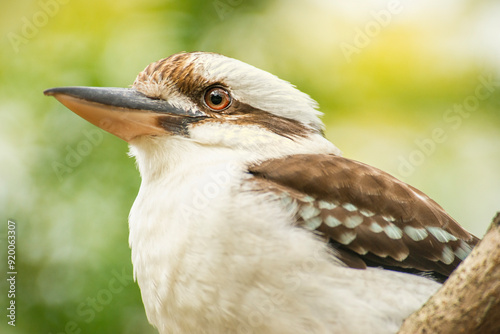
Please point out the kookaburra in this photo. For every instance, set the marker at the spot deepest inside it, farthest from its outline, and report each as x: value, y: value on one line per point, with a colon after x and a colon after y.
x: 248, y: 220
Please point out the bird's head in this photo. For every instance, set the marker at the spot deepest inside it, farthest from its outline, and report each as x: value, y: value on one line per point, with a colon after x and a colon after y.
x: 205, y: 98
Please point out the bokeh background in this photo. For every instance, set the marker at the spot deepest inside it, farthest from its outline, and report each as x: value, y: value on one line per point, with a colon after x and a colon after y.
x: 412, y: 87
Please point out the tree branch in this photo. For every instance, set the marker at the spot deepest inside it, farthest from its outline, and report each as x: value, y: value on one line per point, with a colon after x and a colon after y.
x: 469, y: 301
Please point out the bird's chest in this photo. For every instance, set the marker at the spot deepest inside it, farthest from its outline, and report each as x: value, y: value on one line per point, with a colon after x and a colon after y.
x: 173, y: 225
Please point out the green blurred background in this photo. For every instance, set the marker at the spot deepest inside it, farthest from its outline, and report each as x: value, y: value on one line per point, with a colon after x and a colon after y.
x: 412, y: 87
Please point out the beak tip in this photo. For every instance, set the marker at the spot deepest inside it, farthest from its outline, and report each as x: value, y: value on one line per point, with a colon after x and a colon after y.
x: 50, y: 92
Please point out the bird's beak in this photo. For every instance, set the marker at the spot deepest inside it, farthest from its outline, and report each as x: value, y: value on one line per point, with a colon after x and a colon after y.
x: 124, y: 112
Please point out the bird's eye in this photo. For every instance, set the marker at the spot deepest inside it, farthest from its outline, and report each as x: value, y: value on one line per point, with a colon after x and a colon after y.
x: 217, y: 98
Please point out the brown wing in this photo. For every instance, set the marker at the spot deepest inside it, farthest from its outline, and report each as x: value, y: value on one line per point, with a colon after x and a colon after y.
x: 370, y: 217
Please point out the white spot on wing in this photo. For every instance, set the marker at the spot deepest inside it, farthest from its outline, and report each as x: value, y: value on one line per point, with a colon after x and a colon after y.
x: 347, y: 237
x: 440, y: 234
x: 447, y: 256
x: 308, y: 212
x: 349, y: 207
x: 366, y: 213
x: 326, y: 205
x: 416, y: 234
x: 393, y: 231
x: 353, y: 221
x: 375, y: 227
x: 463, y: 250
x: 313, y: 223
x: 332, y: 221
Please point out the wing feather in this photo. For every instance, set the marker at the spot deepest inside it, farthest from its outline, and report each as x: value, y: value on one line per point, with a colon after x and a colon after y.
x: 367, y: 214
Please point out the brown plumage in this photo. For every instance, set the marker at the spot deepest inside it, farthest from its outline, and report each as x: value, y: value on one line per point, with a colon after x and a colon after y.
x: 367, y: 214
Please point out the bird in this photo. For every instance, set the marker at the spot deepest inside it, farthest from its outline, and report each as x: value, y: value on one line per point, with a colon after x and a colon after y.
x: 248, y: 220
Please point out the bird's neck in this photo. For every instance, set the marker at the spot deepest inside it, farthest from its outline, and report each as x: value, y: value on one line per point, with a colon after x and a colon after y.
x: 158, y: 156
x: 160, y: 159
